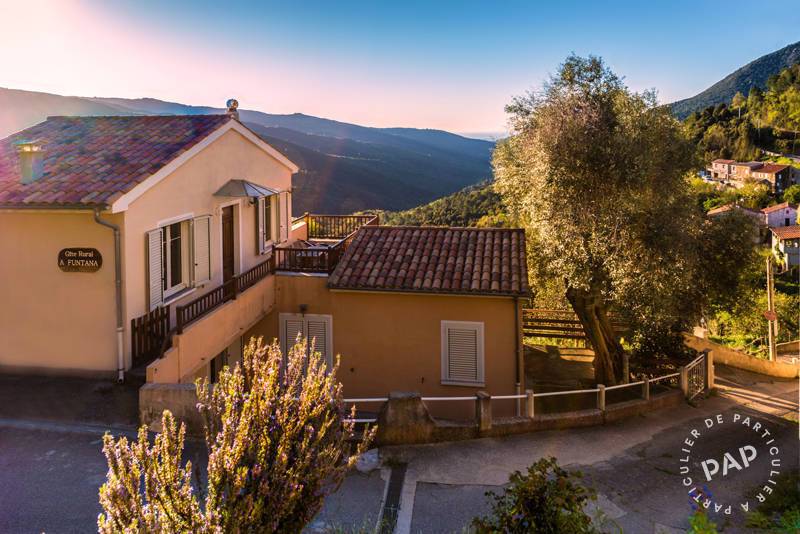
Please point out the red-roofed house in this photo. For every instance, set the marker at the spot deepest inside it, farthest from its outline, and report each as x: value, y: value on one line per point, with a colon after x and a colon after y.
x: 783, y: 214
x: 162, y: 244
x: 779, y: 177
x: 786, y: 245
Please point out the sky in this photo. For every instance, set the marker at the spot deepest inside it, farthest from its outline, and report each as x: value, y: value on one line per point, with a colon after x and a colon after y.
x: 448, y: 65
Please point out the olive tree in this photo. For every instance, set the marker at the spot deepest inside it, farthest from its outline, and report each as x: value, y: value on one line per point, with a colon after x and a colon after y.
x: 278, y: 441
x: 597, y: 175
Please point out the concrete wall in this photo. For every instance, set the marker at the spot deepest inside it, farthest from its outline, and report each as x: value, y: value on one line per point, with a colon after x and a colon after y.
x: 724, y: 355
x: 390, y: 341
x: 50, y: 320
x: 202, y: 340
x: 189, y: 191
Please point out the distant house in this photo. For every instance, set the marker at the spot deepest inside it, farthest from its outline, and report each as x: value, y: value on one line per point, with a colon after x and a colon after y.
x: 721, y: 168
x: 760, y: 226
x: 778, y: 176
x: 784, y: 214
x: 786, y: 245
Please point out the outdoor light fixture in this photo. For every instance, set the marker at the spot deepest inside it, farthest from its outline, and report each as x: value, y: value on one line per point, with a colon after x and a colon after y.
x: 303, y: 309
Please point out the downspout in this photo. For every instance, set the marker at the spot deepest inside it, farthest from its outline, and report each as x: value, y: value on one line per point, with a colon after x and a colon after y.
x: 118, y: 293
x: 520, y: 361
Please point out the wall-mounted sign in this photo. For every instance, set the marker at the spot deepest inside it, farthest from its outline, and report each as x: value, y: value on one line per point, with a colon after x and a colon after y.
x: 80, y: 260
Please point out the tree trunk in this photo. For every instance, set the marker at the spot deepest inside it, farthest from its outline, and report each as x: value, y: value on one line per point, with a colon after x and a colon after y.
x: 591, y: 311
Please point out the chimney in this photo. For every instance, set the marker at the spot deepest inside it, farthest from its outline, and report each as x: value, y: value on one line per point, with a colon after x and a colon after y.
x: 31, y: 160
x: 233, y: 105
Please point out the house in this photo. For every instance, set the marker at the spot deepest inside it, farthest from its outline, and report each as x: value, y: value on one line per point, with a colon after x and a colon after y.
x: 778, y: 177
x: 157, y: 246
x: 721, y: 169
x: 786, y: 245
x: 741, y: 171
x: 760, y: 233
x: 783, y: 214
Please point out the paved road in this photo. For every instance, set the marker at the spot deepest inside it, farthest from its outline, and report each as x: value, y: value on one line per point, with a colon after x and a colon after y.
x: 634, y: 464
x: 50, y: 473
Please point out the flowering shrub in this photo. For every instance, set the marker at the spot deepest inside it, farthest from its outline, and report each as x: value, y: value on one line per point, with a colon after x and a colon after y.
x: 277, y: 439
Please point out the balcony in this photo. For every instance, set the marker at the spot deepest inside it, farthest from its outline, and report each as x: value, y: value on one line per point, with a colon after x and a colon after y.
x: 204, y: 327
x: 319, y: 241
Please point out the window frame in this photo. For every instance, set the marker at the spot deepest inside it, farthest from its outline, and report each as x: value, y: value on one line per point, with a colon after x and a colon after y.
x: 480, y: 356
x: 186, y: 246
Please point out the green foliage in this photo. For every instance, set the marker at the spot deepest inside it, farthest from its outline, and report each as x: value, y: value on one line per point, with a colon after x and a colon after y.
x: 765, y: 120
x: 699, y: 523
x: 546, y: 499
x: 781, y: 511
x: 277, y: 445
x: 792, y: 194
x: 477, y: 205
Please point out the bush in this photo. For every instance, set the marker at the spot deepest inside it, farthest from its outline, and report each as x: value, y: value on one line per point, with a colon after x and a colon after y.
x: 277, y: 444
x: 547, y: 499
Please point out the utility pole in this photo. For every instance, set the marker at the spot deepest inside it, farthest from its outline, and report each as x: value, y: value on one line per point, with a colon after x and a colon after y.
x: 770, y: 315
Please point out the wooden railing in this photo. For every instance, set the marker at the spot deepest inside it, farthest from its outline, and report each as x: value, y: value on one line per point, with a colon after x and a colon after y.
x: 149, y: 333
x: 193, y: 310
x: 561, y: 324
x: 307, y: 260
x: 336, y: 226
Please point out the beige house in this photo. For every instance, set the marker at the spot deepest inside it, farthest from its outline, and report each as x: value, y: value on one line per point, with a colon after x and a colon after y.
x: 157, y: 246
x: 786, y: 245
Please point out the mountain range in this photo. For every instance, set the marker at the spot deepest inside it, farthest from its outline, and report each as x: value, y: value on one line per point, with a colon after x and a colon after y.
x: 741, y: 80
x: 344, y: 167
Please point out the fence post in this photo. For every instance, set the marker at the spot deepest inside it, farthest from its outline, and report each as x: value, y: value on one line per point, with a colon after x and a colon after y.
x: 483, y: 410
x: 646, y: 389
x: 235, y: 281
x: 179, y: 318
x: 626, y: 369
x: 684, y: 381
x: 601, y: 397
x: 529, y: 403
x: 709, y: 370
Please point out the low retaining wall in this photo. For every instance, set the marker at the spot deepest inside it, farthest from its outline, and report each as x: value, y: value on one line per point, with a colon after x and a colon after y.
x: 740, y: 360
x: 180, y: 399
x: 404, y: 419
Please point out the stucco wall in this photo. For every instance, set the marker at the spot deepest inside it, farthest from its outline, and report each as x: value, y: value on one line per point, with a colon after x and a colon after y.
x: 189, y: 191
x: 51, y: 320
x: 392, y: 342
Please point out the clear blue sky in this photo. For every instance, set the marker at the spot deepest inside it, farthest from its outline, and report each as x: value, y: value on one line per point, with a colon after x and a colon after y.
x: 450, y: 65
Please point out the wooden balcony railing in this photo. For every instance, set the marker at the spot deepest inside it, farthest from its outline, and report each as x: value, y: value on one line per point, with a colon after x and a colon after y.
x: 149, y: 334
x: 193, y: 310
x: 307, y: 260
x: 336, y: 226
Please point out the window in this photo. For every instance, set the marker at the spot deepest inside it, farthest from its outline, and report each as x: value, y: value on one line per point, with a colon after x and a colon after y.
x: 316, y: 328
x: 462, y: 353
x: 175, y: 254
x: 268, y: 218
x: 178, y: 257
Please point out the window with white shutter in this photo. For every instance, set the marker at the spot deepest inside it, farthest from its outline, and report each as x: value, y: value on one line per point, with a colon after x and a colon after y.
x: 201, y: 250
x: 318, y: 328
x: 154, y: 271
x: 267, y: 222
x: 462, y: 353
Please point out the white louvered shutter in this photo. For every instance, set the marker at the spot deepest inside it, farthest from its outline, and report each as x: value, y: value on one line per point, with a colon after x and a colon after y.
x: 318, y: 330
x: 292, y: 325
x: 154, y: 271
x: 201, y: 234
x: 279, y: 217
x: 462, y: 352
x: 260, y: 225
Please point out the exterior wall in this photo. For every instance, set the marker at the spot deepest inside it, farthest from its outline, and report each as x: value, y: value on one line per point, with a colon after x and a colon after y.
x: 392, y: 342
x: 778, y: 218
x: 789, y: 250
x: 53, y: 320
x: 202, y: 340
x: 190, y: 191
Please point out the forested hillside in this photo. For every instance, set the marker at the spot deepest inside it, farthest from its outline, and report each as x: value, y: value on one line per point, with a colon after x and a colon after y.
x: 745, y: 126
x: 754, y: 74
x: 478, y: 205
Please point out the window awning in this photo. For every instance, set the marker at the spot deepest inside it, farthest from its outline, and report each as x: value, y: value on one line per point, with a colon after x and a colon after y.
x: 243, y: 188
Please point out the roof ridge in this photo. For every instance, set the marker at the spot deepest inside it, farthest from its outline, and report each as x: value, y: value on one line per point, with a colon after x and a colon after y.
x: 135, y: 116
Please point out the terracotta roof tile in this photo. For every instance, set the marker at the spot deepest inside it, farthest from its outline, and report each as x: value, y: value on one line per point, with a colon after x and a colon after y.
x: 482, y: 261
x: 787, y: 232
x: 89, y: 160
x: 778, y: 207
